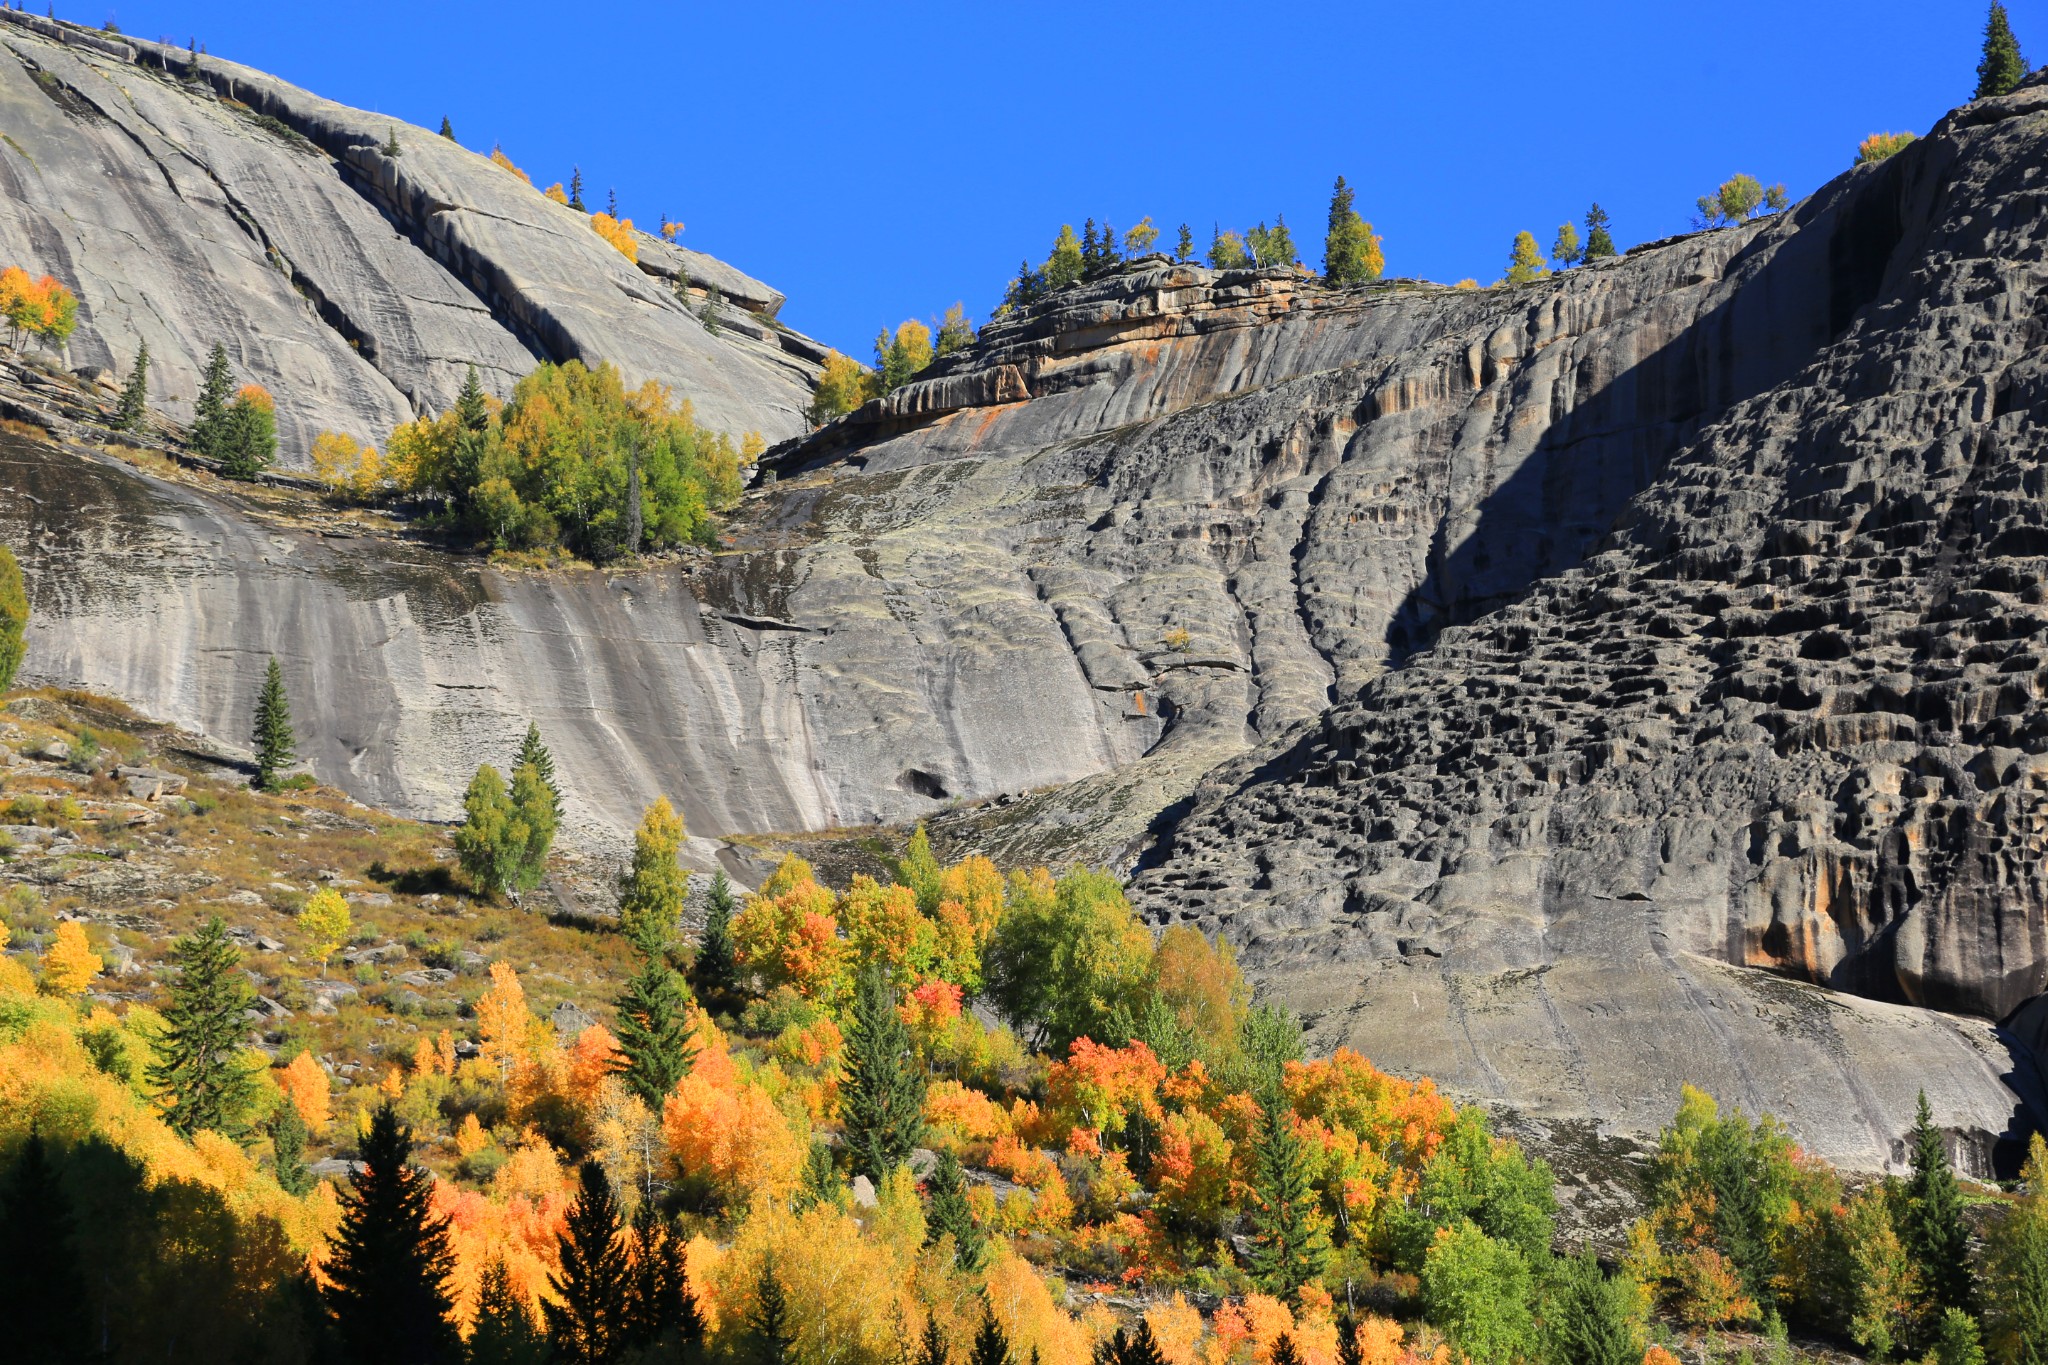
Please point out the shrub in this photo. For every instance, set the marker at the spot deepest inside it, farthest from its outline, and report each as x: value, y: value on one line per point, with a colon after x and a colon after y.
x: 1878, y: 146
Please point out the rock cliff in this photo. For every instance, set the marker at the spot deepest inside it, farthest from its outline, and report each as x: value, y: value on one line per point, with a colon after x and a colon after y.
x: 1552, y: 689
x: 189, y: 200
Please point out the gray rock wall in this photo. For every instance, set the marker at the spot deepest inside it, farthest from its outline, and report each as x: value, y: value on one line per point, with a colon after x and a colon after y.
x: 188, y: 200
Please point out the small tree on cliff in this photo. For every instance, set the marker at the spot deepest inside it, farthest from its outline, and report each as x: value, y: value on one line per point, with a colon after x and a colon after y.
x: 1599, y: 241
x: 1525, y: 261
x: 2002, y: 69
x: 134, y: 407
x: 273, y: 738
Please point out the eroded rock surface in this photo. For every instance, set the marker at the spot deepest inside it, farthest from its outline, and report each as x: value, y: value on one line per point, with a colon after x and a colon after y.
x: 189, y: 200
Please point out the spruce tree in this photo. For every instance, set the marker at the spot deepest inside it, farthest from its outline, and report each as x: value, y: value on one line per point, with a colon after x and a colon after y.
x: 531, y: 750
x: 210, y: 412
x: 1290, y: 1242
x: 819, y: 1183
x: 488, y: 845
x: 655, y: 1040
x: 1091, y: 250
x: 651, y: 898
x: 947, y: 1211
x: 134, y: 409
x: 198, y: 1065
x: 576, y: 189
x: 588, y: 1322
x: 1931, y: 1221
x: 882, y: 1100
x: 248, y: 441
x: 1184, y: 250
x: 288, y: 1149
x: 471, y: 409
x: 13, y: 618
x: 991, y: 1343
x: 657, y: 1290
x: 931, y: 1347
x: 504, y: 1333
x: 768, y: 1330
x: 1599, y: 242
x: 1284, y: 1351
x: 715, y: 973
x: 533, y: 826
x: 391, y: 147
x: 42, y: 1292
x: 1141, y: 1347
x: 2002, y: 69
x: 1349, y: 1352
x: 1589, y: 1319
x: 447, y: 128
x: 1957, y: 1340
x: 273, y: 736
x: 388, y: 1268
x: 1280, y: 242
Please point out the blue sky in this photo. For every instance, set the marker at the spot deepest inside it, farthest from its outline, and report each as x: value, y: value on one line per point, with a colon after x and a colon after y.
x: 877, y: 162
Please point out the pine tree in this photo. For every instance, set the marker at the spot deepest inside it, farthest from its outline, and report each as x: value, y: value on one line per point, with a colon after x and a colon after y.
x: 388, y: 1267
x: 391, y: 147
x: 13, y: 618
x: 134, y: 409
x: 991, y: 1343
x: 931, y: 1347
x: 288, y: 1149
x: 42, y: 1293
x: 768, y: 1328
x: 532, y: 751
x: 1590, y: 1319
x: 533, y: 826
x: 273, y: 738
x: 947, y: 1211
x: 576, y: 189
x: 248, y: 440
x: 1566, y: 250
x: 471, y: 411
x: 882, y: 1099
x: 1290, y: 1240
x: 1141, y: 1347
x: 654, y: 1029
x: 2002, y: 69
x: 1348, y: 1350
x: 504, y: 1333
x: 1184, y: 251
x: 651, y: 900
x: 1931, y: 1221
x: 198, y: 1065
x: 1109, y: 254
x: 1599, y: 242
x: 1351, y: 253
x: 1283, y: 1351
x: 210, y: 412
x: 447, y: 128
x: 1091, y: 249
x: 658, y: 1291
x: 489, y: 845
x: 819, y: 1183
x: 587, y: 1325
x: 715, y: 973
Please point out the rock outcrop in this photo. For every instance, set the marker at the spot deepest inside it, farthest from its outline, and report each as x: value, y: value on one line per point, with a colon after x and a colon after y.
x: 189, y: 200
x: 1566, y: 690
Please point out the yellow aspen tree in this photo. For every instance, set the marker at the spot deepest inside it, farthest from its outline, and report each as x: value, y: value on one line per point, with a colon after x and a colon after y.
x: 305, y: 1084
x: 502, y: 1018
x: 70, y: 964
x: 325, y: 922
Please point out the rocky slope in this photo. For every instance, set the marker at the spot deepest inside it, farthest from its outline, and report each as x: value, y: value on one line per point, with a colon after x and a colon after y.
x: 1547, y: 687
x: 189, y: 200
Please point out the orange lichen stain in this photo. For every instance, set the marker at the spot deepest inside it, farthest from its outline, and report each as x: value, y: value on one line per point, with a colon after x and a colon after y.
x: 1138, y: 700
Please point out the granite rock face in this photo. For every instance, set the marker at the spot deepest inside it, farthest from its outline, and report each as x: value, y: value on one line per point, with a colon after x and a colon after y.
x: 1556, y: 689
x: 189, y: 200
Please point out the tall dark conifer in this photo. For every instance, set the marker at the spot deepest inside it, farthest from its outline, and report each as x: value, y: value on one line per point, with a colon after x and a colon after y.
x: 588, y: 1323
x: 1599, y: 241
x: 1289, y: 1241
x: 531, y: 750
x: 198, y: 1064
x: 1931, y: 1220
x: 576, y: 189
x: 882, y: 1102
x: 447, y: 128
x: 769, y: 1338
x: 42, y: 1294
x: 658, y: 1295
x: 388, y: 1271
x: 716, y: 971
x: 991, y: 1343
x: 931, y: 1346
x: 134, y: 409
x: 273, y: 738
x: 505, y: 1332
x: 655, y: 1041
x: 210, y: 412
x: 1140, y: 1347
x: 2002, y: 69
x: 947, y: 1211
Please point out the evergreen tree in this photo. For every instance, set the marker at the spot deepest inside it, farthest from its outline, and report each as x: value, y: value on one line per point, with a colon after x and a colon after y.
x: 1067, y: 261
x: 576, y: 189
x: 288, y: 1149
x: 447, y: 128
x: 490, y: 845
x: 715, y: 973
x: 654, y: 1031
x: 1599, y: 242
x: 504, y: 1333
x: 1957, y: 1340
x: 1140, y: 1347
x: 882, y: 1101
x: 768, y: 1330
x: 198, y: 1065
x: 991, y: 1343
x: 1184, y: 251
x: 658, y: 1291
x: 1091, y: 249
x: 1566, y: 251
x: 273, y: 738
x: 1026, y: 288
x: 1590, y: 1319
x: 1525, y: 263
x: 651, y: 899
x: 134, y: 409
x: 1290, y: 1240
x: 931, y: 1347
x: 248, y: 439
x: 947, y: 1211
x: 391, y: 147
x: 1931, y: 1220
x: 820, y: 1183
x: 388, y: 1269
x: 533, y: 826
x: 210, y: 411
x: 473, y: 413
x: 1280, y: 242
x: 2002, y: 69
x: 13, y: 618
x: 1348, y: 1350
x: 1351, y: 253
x: 587, y: 1325
x: 42, y: 1293
x: 1284, y: 1352
x: 611, y: 202
x: 1107, y: 251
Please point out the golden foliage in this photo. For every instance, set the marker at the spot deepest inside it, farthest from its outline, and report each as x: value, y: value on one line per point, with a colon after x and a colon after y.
x: 557, y: 193
x: 1879, y: 146
x: 41, y: 308
x: 503, y: 1021
x: 498, y: 158
x: 70, y: 964
x: 619, y: 232
x: 348, y: 469
x: 325, y: 920
x: 304, y: 1082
